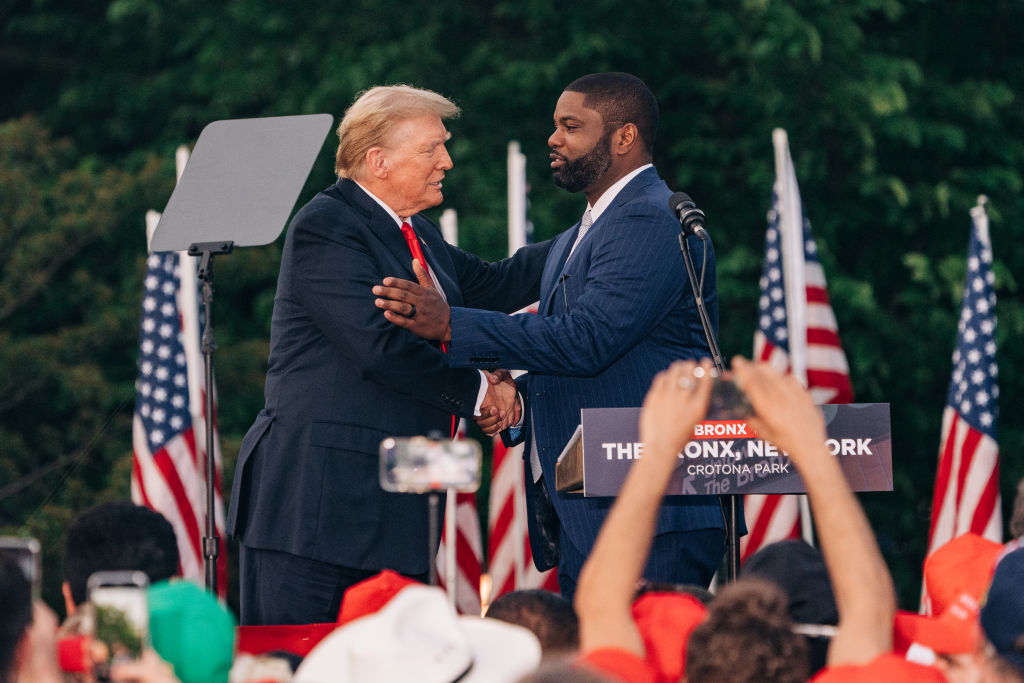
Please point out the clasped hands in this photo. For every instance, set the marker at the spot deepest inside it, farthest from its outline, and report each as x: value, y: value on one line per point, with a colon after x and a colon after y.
x: 422, y: 310
x: 500, y: 408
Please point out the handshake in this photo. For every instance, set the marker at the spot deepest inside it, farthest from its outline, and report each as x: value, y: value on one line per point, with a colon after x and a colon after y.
x: 421, y: 310
x: 501, y: 407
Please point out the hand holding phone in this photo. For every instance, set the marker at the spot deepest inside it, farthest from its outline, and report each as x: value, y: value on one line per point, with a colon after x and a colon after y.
x: 420, y: 465
x: 25, y: 553
x: 727, y: 401
x: 119, y: 616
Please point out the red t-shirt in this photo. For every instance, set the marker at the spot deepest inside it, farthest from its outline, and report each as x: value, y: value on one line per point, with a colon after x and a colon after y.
x: 665, y: 621
x: 625, y: 666
x: 890, y: 668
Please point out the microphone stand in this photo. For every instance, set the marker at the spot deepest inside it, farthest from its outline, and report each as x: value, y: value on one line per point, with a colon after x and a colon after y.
x: 730, y: 504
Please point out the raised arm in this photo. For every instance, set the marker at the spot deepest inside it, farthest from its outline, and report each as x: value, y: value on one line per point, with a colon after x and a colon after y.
x: 676, y: 401
x: 787, y: 416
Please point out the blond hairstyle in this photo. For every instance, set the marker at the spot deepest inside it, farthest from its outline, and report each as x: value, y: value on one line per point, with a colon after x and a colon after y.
x: 372, y: 115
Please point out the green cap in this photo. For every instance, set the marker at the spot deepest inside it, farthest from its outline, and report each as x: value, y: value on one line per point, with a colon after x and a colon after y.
x: 192, y: 631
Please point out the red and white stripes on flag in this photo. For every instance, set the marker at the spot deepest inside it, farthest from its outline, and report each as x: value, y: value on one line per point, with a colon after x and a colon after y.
x: 462, y: 520
x: 796, y: 332
x: 510, y: 561
x: 966, y: 497
x: 168, y: 432
x: 460, y: 564
x: 169, y: 425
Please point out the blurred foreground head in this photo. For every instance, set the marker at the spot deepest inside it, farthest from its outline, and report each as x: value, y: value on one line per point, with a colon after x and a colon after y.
x: 117, y: 536
x: 547, y: 615
x: 15, y: 613
x: 747, y: 638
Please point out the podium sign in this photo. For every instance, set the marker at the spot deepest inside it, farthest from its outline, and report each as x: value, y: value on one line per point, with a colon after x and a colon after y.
x: 725, y: 456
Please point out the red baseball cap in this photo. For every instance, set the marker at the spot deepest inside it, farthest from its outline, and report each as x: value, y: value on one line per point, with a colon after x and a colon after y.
x: 955, y: 631
x: 963, y: 565
x: 369, y: 595
x: 665, y: 621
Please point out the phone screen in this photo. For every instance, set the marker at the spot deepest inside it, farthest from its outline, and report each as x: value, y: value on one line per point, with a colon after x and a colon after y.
x: 119, y: 613
x: 421, y: 465
x: 24, y: 552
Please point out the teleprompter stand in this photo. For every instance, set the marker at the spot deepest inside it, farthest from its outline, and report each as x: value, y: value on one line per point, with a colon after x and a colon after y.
x: 237, y: 190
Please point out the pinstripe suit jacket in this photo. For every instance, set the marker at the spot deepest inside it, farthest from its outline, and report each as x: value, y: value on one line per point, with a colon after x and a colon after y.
x: 610, y: 318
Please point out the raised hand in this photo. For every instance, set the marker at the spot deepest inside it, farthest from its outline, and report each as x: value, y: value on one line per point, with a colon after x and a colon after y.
x: 785, y: 412
x: 677, y: 400
x: 419, y: 308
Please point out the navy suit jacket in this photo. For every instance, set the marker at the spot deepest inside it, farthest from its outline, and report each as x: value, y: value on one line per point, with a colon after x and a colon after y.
x: 341, y: 378
x: 610, y: 318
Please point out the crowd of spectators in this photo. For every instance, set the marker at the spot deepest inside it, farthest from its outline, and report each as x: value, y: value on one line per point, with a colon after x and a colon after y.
x: 796, y: 613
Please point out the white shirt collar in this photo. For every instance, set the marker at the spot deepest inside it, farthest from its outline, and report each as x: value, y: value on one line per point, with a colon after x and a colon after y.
x: 384, y: 206
x: 605, y: 200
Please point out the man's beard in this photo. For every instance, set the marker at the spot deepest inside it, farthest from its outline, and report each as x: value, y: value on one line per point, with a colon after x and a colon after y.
x: 579, y: 174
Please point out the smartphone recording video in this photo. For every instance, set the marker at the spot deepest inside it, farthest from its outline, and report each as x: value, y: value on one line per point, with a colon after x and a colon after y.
x: 119, y: 614
x: 728, y: 402
x: 24, y: 551
x: 421, y: 465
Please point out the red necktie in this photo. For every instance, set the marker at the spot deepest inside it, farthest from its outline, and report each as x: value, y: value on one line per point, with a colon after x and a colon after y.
x: 414, y: 244
x: 417, y: 253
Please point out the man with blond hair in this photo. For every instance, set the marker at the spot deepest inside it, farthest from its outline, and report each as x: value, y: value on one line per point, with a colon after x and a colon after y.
x: 306, y: 505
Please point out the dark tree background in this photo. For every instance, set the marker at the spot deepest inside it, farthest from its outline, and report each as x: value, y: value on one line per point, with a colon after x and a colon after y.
x: 899, y: 113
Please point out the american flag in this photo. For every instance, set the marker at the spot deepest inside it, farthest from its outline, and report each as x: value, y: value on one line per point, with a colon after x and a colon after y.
x: 966, y: 495
x: 461, y: 515
x: 168, y: 437
x: 797, y: 332
x: 509, y: 561
x: 460, y: 564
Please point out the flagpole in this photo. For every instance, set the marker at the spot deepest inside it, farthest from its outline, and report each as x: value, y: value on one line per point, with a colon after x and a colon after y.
x: 450, y: 229
x: 450, y: 226
x: 516, y: 239
x: 791, y: 228
x: 189, y: 306
x: 199, y: 387
x: 979, y: 213
x: 516, y: 166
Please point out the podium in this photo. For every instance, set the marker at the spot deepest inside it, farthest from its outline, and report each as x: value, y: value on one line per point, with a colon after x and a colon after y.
x: 725, y: 457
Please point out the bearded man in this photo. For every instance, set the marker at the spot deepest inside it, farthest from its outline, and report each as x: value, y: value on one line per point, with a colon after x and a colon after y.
x: 615, y: 309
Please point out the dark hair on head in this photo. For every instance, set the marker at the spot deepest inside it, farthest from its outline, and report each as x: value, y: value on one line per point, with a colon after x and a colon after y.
x: 750, y: 617
x: 548, y: 615
x: 118, y: 536
x: 15, y: 612
x: 565, y: 671
x: 621, y: 98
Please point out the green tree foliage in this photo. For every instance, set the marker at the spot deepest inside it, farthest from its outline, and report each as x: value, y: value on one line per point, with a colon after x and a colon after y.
x: 70, y: 250
x: 899, y: 113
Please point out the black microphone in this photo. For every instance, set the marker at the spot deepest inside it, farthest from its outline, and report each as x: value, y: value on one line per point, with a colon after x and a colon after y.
x: 690, y: 217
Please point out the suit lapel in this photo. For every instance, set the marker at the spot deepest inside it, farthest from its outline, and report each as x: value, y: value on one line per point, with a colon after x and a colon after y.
x: 383, y: 226
x: 560, y: 250
x: 553, y: 268
x: 436, y: 253
x: 380, y: 224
